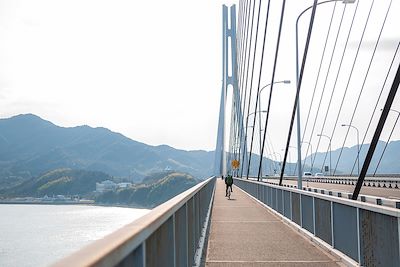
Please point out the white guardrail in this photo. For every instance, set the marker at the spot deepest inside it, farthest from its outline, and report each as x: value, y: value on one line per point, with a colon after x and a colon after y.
x: 172, y: 234
x: 367, y: 233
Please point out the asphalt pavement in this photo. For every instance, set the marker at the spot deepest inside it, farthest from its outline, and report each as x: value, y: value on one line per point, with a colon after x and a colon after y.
x: 245, y: 233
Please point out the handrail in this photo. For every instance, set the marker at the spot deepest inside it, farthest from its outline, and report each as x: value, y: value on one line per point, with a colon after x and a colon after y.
x: 356, y: 231
x: 117, y: 246
x: 349, y: 202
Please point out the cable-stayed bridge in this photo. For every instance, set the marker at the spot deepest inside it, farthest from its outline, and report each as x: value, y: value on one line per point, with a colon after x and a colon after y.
x: 343, y: 92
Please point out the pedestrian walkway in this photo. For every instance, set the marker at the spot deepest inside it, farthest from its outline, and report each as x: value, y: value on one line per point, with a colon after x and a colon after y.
x: 244, y: 233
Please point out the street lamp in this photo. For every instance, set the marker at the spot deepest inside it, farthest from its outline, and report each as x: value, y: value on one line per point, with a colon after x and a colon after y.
x: 260, y: 111
x: 280, y: 161
x: 310, y: 155
x: 294, y: 171
x: 273, y: 157
x: 297, y: 83
x: 259, y: 104
x: 358, y: 143
x: 330, y: 152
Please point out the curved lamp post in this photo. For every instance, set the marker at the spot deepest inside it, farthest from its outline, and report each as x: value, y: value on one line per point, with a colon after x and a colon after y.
x: 358, y: 145
x: 330, y: 151
x: 297, y: 82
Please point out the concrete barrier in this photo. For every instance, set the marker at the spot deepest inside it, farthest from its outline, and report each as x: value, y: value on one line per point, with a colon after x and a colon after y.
x: 172, y: 234
x: 366, y: 233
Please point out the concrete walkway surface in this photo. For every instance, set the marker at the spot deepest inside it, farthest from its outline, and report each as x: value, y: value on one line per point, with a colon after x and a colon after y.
x: 244, y: 233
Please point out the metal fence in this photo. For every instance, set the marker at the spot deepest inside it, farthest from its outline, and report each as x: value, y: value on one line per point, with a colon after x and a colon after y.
x: 367, y: 233
x: 172, y: 234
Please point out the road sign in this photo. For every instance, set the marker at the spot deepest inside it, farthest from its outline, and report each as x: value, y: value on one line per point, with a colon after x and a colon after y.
x: 235, y: 164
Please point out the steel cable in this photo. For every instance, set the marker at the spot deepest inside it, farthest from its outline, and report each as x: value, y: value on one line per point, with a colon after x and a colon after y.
x: 316, y: 82
x: 348, y: 82
x: 339, y: 69
x: 329, y: 67
x: 259, y: 79
x: 297, y: 90
x: 380, y: 94
x: 366, y: 75
x: 252, y: 71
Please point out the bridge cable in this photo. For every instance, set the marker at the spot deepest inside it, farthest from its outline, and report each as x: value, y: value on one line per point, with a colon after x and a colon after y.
x: 239, y: 51
x: 338, y: 71
x: 326, y: 79
x: 329, y: 66
x: 377, y: 102
x: 272, y: 81
x: 377, y: 133
x: 365, y: 78
x: 315, y: 85
x: 242, y: 26
x: 310, y: 27
x: 337, y: 74
x: 245, y: 67
x: 384, y: 149
x: 247, y: 72
x: 348, y: 82
x: 239, y: 42
x: 259, y: 77
x: 244, y: 52
x: 252, y: 73
x: 243, y: 49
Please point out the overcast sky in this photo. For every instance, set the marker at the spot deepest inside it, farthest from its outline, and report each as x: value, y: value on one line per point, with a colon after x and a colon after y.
x: 151, y: 70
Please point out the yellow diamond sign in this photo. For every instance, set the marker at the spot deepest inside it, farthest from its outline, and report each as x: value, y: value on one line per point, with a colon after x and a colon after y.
x: 235, y: 164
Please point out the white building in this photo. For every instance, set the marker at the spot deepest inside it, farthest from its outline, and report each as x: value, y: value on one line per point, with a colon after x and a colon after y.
x: 124, y: 185
x: 106, y: 186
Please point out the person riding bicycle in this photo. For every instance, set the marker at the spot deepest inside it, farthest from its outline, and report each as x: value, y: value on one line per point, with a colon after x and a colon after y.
x: 229, y: 183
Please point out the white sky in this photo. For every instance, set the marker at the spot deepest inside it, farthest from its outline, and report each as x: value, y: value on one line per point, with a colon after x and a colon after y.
x: 151, y: 70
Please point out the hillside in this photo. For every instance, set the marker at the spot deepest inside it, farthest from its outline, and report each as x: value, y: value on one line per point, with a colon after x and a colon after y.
x: 31, y: 146
x: 163, y: 187
x: 159, y: 187
x: 59, y: 182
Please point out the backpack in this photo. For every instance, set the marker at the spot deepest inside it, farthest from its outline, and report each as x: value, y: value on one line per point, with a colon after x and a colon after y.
x: 229, y: 180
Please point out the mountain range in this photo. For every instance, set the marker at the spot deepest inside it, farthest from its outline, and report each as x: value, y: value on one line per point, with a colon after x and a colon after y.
x: 31, y: 146
x: 348, y: 162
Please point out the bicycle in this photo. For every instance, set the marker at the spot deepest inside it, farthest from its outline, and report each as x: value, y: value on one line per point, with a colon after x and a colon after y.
x: 229, y: 192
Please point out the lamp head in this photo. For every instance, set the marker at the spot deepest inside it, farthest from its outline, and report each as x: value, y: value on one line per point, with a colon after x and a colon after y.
x: 286, y: 81
x: 348, y: 1
x: 344, y: 125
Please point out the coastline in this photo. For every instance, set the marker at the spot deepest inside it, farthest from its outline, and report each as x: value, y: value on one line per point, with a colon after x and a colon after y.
x: 82, y: 202
x: 85, y: 202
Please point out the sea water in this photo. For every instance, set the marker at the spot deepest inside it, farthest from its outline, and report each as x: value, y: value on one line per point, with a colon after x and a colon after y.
x: 38, y: 235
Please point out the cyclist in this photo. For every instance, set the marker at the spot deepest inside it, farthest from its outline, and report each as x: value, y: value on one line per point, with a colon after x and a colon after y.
x: 229, y: 183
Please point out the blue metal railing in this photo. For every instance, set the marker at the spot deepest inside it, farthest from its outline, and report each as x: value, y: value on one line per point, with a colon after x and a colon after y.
x: 366, y: 233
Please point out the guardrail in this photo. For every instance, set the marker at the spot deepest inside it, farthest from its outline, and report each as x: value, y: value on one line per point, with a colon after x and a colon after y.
x: 368, y: 234
x: 378, y: 200
x: 384, y: 182
x: 172, y: 234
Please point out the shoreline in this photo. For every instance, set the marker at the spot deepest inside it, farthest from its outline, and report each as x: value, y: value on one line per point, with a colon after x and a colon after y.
x: 85, y: 203
x: 88, y: 202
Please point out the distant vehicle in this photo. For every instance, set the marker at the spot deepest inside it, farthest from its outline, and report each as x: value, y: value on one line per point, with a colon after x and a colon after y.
x: 307, y: 174
x: 318, y: 174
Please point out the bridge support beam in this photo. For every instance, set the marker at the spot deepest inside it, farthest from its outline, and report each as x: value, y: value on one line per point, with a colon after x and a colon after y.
x: 229, y: 80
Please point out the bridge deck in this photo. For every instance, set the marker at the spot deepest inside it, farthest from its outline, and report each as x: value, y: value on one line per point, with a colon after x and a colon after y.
x: 243, y: 233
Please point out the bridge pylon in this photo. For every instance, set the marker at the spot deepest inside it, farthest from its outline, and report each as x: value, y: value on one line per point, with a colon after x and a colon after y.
x: 237, y: 148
